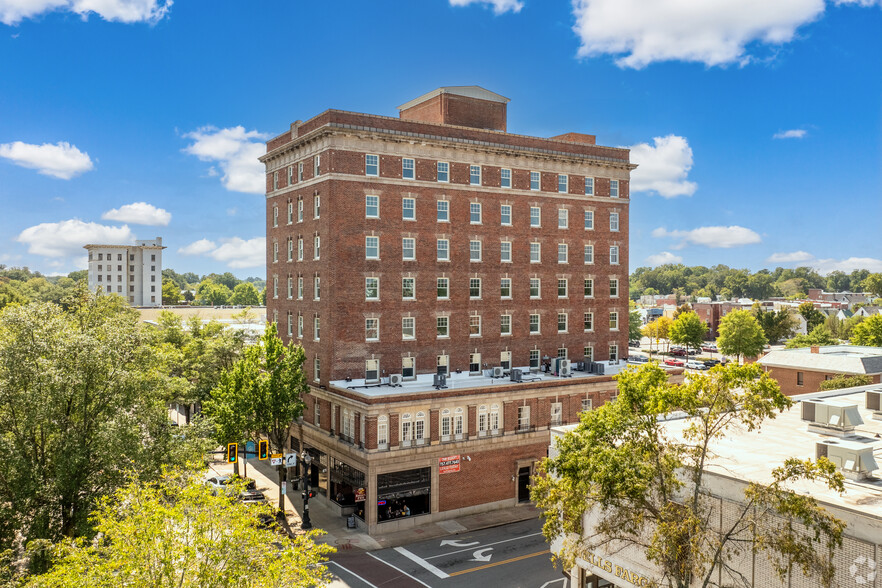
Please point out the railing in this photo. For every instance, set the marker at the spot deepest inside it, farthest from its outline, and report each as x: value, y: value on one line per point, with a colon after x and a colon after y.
x: 525, y: 428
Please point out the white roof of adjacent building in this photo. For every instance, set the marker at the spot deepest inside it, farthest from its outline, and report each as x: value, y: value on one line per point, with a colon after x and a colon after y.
x: 846, y: 359
x: 468, y: 91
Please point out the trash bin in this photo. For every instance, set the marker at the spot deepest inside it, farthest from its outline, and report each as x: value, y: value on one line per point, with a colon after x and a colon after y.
x: 350, y: 522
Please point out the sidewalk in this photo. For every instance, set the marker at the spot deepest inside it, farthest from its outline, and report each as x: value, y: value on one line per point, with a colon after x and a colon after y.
x: 325, y: 517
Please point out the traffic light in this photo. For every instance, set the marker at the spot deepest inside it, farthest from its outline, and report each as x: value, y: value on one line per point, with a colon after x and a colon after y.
x: 263, y: 449
x: 232, y: 452
x: 304, y: 496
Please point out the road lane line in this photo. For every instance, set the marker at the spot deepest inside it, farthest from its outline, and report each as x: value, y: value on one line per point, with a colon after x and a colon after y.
x: 421, y: 562
x: 350, y: 572
x: 499, y: 563
x: 482, y: 546
x: 383, y: 561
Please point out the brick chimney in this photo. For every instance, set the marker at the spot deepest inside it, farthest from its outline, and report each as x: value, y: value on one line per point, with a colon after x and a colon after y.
x: 816, y: 349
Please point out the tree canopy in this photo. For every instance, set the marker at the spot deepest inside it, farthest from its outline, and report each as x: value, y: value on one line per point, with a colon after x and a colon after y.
x: 820, y: 335
x: 688, y: 329
x: 740, y: 335
x: 868, y: 331
x: 776, y: 325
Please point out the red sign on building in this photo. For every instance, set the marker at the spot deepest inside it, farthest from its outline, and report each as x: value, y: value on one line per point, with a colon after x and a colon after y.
x: 359, y: 495
x: 449, y: 464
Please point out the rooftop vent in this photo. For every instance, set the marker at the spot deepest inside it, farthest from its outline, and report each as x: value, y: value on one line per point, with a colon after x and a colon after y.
x: 874, y: 403
x: 854, y: 459
x: 831, y: 417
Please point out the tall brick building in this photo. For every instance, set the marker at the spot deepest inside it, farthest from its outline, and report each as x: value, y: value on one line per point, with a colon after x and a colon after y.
x: 439, y: 242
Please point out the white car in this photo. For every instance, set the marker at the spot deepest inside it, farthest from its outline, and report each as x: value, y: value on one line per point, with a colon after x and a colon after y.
x: 224, y: 484
x: 695, y: 365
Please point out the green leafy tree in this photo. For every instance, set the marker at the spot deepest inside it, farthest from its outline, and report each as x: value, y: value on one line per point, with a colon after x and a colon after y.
x: 761, y: 285
x: 263, y: 296
x: 820, y: 335
x: 171, y: 292
x: 227, y: 279
x: 210, y: 293
x: 175, y: 532
x: 688, y: 330
x: 245, y: 294
x: 776, y: 325
x: 11, y: 292
x: 657, y: 330
x: 646, y: 489
x: 740, y: 335
x: 813, y: 317
x: 868, y: 331
x: 635, y: 324
x: 845, y: 381
x: 838, y: 281
x: 873, y: 284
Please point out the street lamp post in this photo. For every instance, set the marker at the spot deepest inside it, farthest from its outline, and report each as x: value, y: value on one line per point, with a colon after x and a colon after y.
x: 306, y: 459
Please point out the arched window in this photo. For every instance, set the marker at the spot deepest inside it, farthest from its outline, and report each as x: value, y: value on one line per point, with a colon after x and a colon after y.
x: 420, y: 428
x: 382, y: 432
x: 458, y: 423
x: 406, y: 429
x: 446, y: 425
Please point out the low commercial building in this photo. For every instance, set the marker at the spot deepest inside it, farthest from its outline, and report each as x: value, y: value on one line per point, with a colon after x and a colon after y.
x: 801, y: 371
x: 746, y: 457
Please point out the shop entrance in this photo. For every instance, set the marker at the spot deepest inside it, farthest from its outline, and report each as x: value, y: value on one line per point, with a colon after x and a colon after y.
x: 524, y: 484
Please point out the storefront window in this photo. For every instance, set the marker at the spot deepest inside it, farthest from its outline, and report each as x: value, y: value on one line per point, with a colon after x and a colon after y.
x: 347, y: 486
x: 406, y: 493
x: 318, y: 471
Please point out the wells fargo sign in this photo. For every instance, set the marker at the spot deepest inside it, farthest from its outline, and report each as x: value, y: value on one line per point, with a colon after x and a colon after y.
x: 448, y: 465
x: 618, y: 571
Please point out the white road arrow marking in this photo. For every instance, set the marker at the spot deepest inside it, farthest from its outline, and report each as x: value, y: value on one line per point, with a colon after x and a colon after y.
x: 458, y: 543
x: 562, y: 581
x: 479, y: 555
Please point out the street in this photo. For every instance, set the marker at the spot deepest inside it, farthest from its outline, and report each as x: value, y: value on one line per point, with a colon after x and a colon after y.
x: 514, y: 555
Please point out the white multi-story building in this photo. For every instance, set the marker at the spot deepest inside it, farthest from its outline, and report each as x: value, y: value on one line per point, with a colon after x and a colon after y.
x: 132, y: 271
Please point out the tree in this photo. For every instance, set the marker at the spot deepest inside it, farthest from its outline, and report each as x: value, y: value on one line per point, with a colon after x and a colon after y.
x: 245, y: 294
x: 175, y: 532
x: 681, y: 309
x: 813, y: 317
x: 740, y: 335
x: 646, y: 489
x: 845, y: 381
x: 171, y: 292
x: 868, y: 331
x: 261, y: 394
x: 688, y: 330
x: 210, y: 293
x: 873, y: 284
x: 635, y: 324
x: 776, y: 325
x: 657, y: 330
x: 820, y: 335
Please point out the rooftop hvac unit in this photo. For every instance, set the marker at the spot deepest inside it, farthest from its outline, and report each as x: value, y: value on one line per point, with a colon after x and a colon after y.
x: 498, y: 372
x: 580, y: 366
x: 439, y: 381
x: 854, y: 459
x: 516, y: 375
x: 874, y: 403
x: 564, y: 364
x: 395, y: 380
x: 598, y: 368
x: 831, y: 417
x: 566, y: 371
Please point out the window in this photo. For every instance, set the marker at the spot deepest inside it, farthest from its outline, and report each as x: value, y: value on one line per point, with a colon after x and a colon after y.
x: 586, y: 404
x: 474, y: 363
x: 443, y: 211
x: 408, y: 249
x: 588, y: 322
x: 474, y: 326
x: 290, y: 287
x: 408, y: 368
x: 275, y: 216
x: 317, y: 247
x: 408, y: 288
x: 443, y: 171
x: 317, y: 288
x: 372, y: 248
x: 562, y: 253
x: 505, y: 215
x: 613, y: 320
x: 290, y: 174
x: 556, y: 413
x: 535, y: 216
x: 300, y: 210
x: 561, y: 322
x: 372, y: 329
x: 799, y: 378
x: 589, y: 220
x: 372, y: 206
x: 442, y: 324
x: 318, y: 406
x: 535, y: 288
x: 475, y: 213
x: 505, y: 178
x: 290, y: 249
x: 474, y: 287
x: 299, y: 248
x: 316, y: 328
x: 300, y: 288
x: 419, y: 429
x: 534, y: 324
x: 562, y: 183
x: 534, y: 359
x: 275, y: 253
x: 408, y: 330
x: 372, y: 374
x: 505, y: 287
x: 563, y: 218
x: 371, y: 165
x: 275, y: 180
x: 442, y: 363
x: 561, y: 288
x: 505, y: 324
x: 317, y: 165
x: 382, y: 432
x: 290, y: 324
x: 534, y: 180
x: 446, y: 424
x: 613, y: 355
x: 589, y: 287
x: 443, y: 288
x: 407, y: 168
x: 406, y: 430
x: 589, y: 186
x: 443, y: 250
x: 474, y: 251
x: 317, y: 206
x: 523, y: 418
x: 408, y: 209
x: 290, y: 212
x: 317, y: 376
x: 300, y: 171
x: 299, y: 326
x: 613, y: 188
x: 535, y: 252
x: 613, y: 288
x: 505, y: 252
x: 614, y: 221
x: 475, y: 175
x: 589, y: 353
x: 589, y: 254
x: 372, y: 288
x: 614, y: 255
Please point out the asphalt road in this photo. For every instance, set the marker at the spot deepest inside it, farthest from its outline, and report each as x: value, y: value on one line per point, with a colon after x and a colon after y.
x: 513, y: 555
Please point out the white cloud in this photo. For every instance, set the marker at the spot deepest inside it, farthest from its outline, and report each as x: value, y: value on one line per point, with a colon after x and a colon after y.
x: 713, y: 237
x: 790, y: 134
x: 794, y: 257
x: 825, y: 266
x: 499, y: 6
x: 66, y: 238
x: 139, y: 213
x: 13, y: 12
x: 236, y: 151
x: 61, y: 160
x: 663, y: 167
x: 662, y: 258
x: 235, y: 252
x: 640, y: 32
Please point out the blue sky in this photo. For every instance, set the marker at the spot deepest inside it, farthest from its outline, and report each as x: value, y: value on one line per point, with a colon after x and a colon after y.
x: 756, y: 124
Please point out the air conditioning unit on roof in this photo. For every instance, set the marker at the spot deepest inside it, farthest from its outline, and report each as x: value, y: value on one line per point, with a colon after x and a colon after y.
x: 395, y: 380
x: 831, y: 417
x: 498, y: 372
x: 854, y: 459
x: 874, y: 403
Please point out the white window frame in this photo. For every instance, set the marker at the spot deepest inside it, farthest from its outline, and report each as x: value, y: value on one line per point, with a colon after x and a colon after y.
x: 589, y: 186
x: 505, y: 178
x: 614, y: 255
x: 368, y: 159
x: 443, y: 209
x: 300, y: 249
x: 475, y: 251
x: 442, y: 323
x: 408, y: 328
x: 300, y: 326
x: 445, y: 166
x: 588, y: 322
x: 408, y: 244
x: 300, y: 210
x: 503, y: 284
x: 442, y: 246
x: 317, y: 165
x: 505, y: 251
x: 505, y: 325
x: 589, y: 220
x: 475, y: 325
x: 367, y: 247
x: 371, y: 327
x: 371, y: 201
x: 475, y: 285
x: 535, y: 219
x: 290, y: 288
x: 524, y: 418
x: 613, y: 188
x: 474, y: 173
x: 613, y: 320
x: 614, y: 221
x: 562, y: 320
x: 535, y: 252
x: 563, y: 284
x: 613, y: 287
x: 475, y: 208
x: 535, y: 180
x: 563, y: 183
x: 446, y: 288
x: 505, y: 211
x: 275, y: 216
x: 382, y: 432
x: 535, y: 324
x: 316, y: 328
x: 317, y: 247
x: 563, y: 253
x: 408, y: 204
x: 588, y: 288
x: 408, y: 163
x: 538, y: 283
x: 556, y: 416
x: 412, y: 288
x: 588, y: 254
x: 371, y: 283
x: 563, y: 218
x: 300, y: 288
x: 317, y: 288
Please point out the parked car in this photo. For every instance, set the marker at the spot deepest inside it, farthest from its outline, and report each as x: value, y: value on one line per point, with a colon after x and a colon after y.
x: 224, y: 484
x: 674, y: 362
x: 696, y: 365
x: 637, y: 359
x: 709, y: 363
x: 633, y: 343
x: 678, y: 351
x: 709, y: 347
